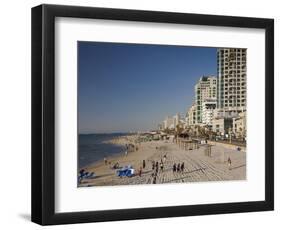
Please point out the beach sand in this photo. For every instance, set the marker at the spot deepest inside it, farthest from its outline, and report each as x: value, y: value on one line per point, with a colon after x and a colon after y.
x: 198, y: 166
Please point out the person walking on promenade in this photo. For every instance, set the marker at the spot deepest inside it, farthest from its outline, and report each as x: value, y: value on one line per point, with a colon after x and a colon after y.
x: 156, y: 167
x: 140, y: 171
x: 143, y: 164
x: 178, y: 167
x: 105, y: 160
x: 229, y: 163
x: 182, y: 167
x: 174, y: 167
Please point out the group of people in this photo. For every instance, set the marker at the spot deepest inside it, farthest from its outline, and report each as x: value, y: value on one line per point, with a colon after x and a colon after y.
x: 114, y: 166
x: 159, y: 165
x: 156, y: 166
x: 130, y: 148
x: 178, y: 167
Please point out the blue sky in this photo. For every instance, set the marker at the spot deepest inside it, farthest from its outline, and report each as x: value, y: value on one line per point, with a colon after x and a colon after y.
x: 133, y: 87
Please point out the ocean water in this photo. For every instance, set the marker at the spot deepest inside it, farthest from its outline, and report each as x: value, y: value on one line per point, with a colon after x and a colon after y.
x: 91, y: 148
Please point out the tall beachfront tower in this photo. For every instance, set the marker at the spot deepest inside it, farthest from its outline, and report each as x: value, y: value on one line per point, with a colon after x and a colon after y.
x: 231, y: 82
x: 205, y: 89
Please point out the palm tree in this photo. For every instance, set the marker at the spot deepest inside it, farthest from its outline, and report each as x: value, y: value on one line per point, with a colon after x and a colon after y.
x: 179, y: 129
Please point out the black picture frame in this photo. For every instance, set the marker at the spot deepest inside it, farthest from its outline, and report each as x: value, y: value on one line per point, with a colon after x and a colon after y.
x: 43, y: 114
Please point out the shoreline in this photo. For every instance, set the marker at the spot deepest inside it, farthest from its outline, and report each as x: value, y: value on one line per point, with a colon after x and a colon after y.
x: 118, y: 141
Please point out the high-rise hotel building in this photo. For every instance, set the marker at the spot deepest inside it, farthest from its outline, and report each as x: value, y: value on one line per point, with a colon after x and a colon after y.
x: 231, y: 80
x: 205, y: 89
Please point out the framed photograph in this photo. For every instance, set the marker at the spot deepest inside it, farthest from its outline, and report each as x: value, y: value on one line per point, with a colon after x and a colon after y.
x: 141, y: 114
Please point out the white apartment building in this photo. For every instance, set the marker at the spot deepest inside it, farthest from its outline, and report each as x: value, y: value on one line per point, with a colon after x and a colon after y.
x: 205, y: 89
x: 232, y: 79
x: 176, y: 120
x: 240, y: 125
x: 172, y: 122
x: 191, y: 115
x: 208, y: 107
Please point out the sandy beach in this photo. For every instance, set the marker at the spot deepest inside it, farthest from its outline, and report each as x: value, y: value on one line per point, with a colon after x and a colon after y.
x: 198, y: 166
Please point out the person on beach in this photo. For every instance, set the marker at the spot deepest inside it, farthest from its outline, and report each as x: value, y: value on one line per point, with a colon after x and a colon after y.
x: 81, y: 172
x: 105, y: 160
x: 154, y: 180
x: 178, y: 167
x: 116, y: 165
x: 182, y: 167
x: 143, y: 163
x: 229, y: 163
x: 140, y: 171
x: 153, y: 165
x: 156, y: 167
x: 174, y: 167
x: 164, y: 158
x: 127, y: 148
x: 161, y: 166
x: 81, y: 175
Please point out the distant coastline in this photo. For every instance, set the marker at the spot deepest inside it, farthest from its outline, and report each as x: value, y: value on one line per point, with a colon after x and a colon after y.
x: 117, y: 133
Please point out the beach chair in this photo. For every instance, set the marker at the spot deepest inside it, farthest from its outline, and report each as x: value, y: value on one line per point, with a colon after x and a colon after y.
x: 86, y: 175
x: 91, y: 175
x: 125, y: 171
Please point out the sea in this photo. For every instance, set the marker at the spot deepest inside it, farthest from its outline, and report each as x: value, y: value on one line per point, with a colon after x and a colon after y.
x: 91, y: 147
